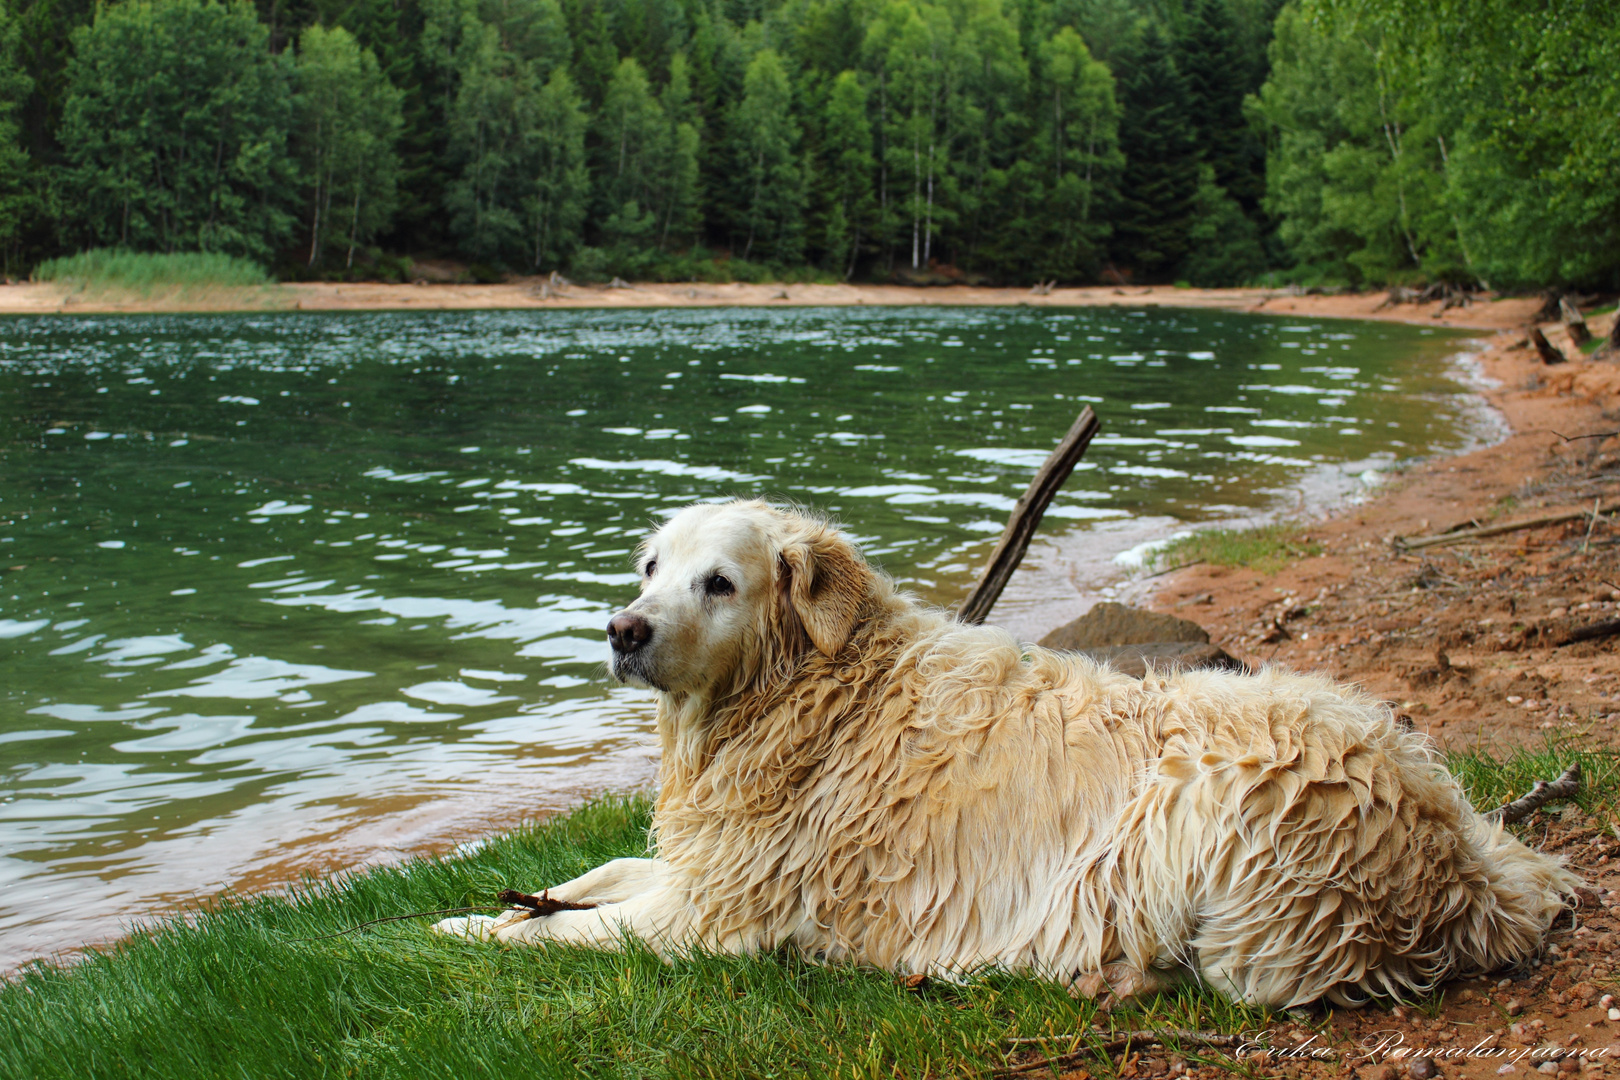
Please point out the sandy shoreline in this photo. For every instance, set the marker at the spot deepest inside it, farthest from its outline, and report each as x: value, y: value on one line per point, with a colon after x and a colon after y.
x: 535, y: 294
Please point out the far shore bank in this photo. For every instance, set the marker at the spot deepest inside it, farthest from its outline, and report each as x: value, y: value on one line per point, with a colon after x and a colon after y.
x: 537, y: 294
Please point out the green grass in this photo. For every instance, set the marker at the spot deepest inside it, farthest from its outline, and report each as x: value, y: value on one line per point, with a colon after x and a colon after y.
x: 108, y: 269
x: 1266, y: 548
x: 1492, y: 780
x: 233, y: 992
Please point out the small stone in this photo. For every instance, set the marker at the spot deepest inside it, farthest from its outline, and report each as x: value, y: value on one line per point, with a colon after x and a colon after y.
x: 1548, y: 1067
x: 1514, y: 1007
x: 1422, y: 1068
x: 1570, y: 1065
x: 1505, y: 1069
x: 1606, y: 1001
x: 1614, y: 1014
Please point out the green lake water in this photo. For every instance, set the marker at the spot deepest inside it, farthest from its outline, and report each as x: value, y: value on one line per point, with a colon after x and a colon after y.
x: 288, y: 592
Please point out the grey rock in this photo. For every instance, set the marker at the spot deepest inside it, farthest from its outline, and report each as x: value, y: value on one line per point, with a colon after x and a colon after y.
x: 1164, y: 656
x: 1109, y: 623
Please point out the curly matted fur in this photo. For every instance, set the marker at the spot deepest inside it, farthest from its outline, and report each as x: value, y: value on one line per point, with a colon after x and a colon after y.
x: 855, y: 773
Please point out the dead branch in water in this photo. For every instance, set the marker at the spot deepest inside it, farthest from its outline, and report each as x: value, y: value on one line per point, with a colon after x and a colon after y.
x: 1026, y: 517
x: 1566, y: 786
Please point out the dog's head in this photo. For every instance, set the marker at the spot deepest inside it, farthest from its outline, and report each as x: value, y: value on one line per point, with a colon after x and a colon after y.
x: 730, y: 592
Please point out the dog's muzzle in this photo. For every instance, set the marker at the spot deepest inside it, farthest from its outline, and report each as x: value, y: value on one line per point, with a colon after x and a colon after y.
x: 628, y: 633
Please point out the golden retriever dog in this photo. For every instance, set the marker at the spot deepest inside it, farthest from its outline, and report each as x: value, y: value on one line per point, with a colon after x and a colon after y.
x: 856, y: 773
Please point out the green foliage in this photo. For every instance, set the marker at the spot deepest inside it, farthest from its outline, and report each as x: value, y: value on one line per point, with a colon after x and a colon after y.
x: 1493, y: 780
x: 1360, y: 141
x: 848, y: 201
x: 1159, y: 187
x: 1426, y: 141
x: 556, y: 210
x: 349, y: 120
x: 17, y: 196
x: 766, y: 140
x: 175, y: 125
x: 500, y: 54
x: 107, y: 270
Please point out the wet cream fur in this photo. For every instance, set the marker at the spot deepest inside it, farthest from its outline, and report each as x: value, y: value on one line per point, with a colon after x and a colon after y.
x: 853, y: 772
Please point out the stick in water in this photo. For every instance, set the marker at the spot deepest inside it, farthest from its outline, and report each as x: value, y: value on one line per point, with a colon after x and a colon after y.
x: 1026, y: 517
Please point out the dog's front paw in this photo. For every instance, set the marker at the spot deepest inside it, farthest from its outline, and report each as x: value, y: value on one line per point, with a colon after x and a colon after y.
x: 468, y: 927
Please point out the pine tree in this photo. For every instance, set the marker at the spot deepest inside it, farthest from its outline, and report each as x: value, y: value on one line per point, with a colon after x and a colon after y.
x: 1160, y: 178
x: 632, y: 134
x: 678, y: 204
x: 501, y: 57
x: 556, y: 210
x: 1211, y: 56
x: 1078, y: 141
x: 17, y: 197
x: 349, y: 121
x: 848, y: 170
x: 766, y: 140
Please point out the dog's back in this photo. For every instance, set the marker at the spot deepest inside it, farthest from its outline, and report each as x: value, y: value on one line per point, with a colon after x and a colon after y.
x: 937, y: 798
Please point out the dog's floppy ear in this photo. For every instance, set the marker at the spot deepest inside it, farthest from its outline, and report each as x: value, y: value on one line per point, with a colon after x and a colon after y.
x: 824, y: 582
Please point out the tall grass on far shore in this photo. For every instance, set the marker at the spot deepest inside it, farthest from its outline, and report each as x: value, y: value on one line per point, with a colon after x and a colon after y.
x: 250, y: 988
x: 1266, y: 548
x: 114, y: 270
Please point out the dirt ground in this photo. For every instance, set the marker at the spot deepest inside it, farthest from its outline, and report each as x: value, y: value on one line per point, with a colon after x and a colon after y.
x: 1471, y: 641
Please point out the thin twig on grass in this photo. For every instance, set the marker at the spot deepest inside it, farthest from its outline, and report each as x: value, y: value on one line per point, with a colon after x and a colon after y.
x: 1566, y: 786
x: 1139, y: 1039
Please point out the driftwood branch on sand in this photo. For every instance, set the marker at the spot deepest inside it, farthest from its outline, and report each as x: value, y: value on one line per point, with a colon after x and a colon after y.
x: 1026, y: 517
x: 1544, y: 348
x: 1566, y: 786
x: 1413, y: 543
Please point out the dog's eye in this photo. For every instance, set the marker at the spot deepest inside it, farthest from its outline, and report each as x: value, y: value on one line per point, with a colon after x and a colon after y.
x: 719, y: 586
x: 652, y: 564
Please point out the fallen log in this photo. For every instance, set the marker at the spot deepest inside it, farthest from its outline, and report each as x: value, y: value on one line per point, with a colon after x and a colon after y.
x: 1574, y: 322
x: 1403, y: 543
x: 1544, y: 349
x: 1566, y: 786
x: 1026, y: 517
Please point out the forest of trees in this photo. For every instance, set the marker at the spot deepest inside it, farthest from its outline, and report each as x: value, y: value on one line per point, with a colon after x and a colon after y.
x: 1216, y: 142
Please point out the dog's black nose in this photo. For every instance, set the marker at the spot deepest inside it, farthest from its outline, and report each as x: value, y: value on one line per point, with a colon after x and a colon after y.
x: 627, y: 632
